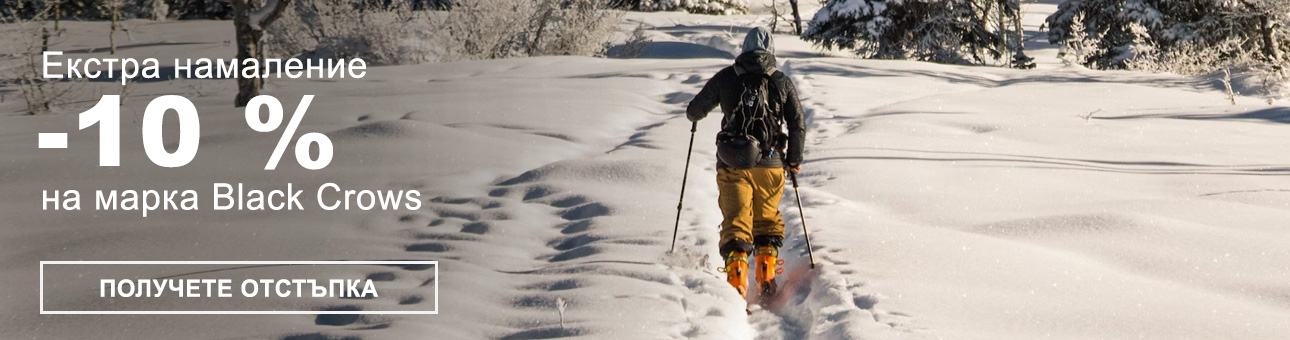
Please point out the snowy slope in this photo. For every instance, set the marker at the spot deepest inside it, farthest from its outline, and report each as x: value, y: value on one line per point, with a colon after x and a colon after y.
x: 944, y: 202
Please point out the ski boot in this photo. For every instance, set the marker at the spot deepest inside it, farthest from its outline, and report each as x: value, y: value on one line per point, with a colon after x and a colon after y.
x: 768, y: 262
x: 737, y: 271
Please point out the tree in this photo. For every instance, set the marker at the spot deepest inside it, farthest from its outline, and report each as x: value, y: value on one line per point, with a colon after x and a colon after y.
x: 492, y: 29
x: 159, y: 10
x: 944, y: 31
x: 718, y: 7
x: 199, y: 9
x: 376, y: 32
x: 797, y: 18
x: 112, y: 9
x: 1118, y: 32
x: 249, y: 23
x: 25, y: 37
x: 1271, y: 16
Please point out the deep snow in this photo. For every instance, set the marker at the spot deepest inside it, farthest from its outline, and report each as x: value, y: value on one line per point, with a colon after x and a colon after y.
x: 945, y: 202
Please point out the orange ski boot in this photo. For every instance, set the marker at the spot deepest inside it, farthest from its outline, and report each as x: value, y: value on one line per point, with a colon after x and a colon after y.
x: 737, y: 271
x: 767, y: 259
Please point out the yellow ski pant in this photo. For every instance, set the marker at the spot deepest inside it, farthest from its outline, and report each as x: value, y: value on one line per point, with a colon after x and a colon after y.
x: 749, y: 201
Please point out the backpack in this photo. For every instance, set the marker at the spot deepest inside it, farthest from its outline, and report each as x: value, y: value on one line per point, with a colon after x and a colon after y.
x: 754, y: 129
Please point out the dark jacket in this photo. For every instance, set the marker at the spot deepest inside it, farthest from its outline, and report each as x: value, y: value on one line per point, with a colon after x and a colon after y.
x: 724, y: 89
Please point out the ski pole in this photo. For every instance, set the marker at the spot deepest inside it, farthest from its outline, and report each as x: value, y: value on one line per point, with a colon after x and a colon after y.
x: 809, y: 252
x: 677, y: 227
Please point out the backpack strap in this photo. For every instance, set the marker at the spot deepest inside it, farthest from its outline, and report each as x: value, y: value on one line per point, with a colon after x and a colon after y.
x: 778, y: 79
x: 776, y: 84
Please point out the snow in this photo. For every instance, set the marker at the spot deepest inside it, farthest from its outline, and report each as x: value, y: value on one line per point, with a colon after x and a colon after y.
x: 944, y: 202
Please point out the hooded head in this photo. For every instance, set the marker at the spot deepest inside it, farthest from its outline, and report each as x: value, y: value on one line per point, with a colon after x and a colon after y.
x: 758, y: 54
x: 758, y: 39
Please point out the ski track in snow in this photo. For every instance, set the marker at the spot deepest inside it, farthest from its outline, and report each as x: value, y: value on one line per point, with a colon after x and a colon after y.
x: 582, y: 251
x: 826, y: 302
x: 540, y: 209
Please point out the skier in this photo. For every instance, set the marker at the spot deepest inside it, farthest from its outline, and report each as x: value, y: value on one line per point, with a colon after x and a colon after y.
x: 753, y: 153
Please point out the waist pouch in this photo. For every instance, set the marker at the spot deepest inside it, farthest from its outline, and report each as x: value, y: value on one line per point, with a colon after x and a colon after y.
x: 739, y: 151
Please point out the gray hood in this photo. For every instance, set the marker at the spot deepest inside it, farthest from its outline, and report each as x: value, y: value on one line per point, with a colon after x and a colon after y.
x: 758, y: 54
x: 758, y: 39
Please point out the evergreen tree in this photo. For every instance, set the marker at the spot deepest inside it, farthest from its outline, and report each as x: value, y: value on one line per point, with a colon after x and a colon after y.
x: 1113, y: 34
x: 201, y: 9
x: 944, y: 31
x: 718, y: 7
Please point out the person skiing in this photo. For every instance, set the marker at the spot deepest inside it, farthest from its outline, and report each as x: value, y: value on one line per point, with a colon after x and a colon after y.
x: 753, y: 152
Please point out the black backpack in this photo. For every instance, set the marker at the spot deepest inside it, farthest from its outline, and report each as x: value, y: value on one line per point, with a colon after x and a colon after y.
x: 754, y: 129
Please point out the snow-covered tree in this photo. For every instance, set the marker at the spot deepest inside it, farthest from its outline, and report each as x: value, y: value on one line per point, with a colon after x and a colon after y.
x: 718, y: 7
x: 945, y: 31
x: 158, y: 10
x: 379, y: 33
x: 1180, y: 36
x: 1117, y: 32
x: 201, y: 9
x: 421, y: 5
x: 491, y: 29
x: 105, y: 9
